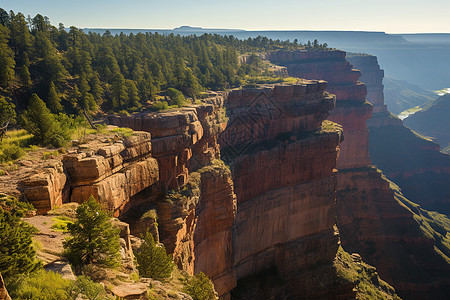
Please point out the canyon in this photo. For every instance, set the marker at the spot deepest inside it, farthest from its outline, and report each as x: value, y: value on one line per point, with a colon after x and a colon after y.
x: 371, y: 211
x: 409, y: 159
x: 255, y: 185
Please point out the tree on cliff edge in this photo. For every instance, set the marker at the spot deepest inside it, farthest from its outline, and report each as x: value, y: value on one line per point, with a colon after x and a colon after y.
x: 94, y: 240
x: 153, y: 260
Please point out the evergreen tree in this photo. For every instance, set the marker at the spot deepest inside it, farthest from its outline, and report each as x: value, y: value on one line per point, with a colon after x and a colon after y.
x: 200, y: 287
x: 17, y: 255
x: 176, y: 96
x: 7, y: 116
x: 93, y: 240
x: 53, y: 100
x: 96, y: 88
x: 7, y: 62
x: 118, y: 91
x: 39, y: 121
x: 153, y: 260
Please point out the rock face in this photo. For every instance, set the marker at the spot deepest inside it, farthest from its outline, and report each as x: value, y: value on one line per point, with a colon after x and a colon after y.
x: 404, y: 242
x: 351, y: 110
x: 433, y: 121
x: 195, y: 204
x: 46, y: 189
x: 372, y: 220
x: 285, y: 215
x: 411, y: 161
x: 255, y: 216
x: 114, y: 174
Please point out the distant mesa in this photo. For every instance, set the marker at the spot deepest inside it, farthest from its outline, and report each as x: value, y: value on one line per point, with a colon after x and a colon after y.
x: 186, y: 28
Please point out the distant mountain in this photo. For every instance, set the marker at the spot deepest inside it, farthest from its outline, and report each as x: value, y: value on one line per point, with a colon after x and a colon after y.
x: 433, y: 121
x: 400, y: 95
x: 190, y: 29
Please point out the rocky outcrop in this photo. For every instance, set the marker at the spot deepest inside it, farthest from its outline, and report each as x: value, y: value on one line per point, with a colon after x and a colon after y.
x: 235, y: 223
x: 352, y: 110
x: 404, y: 242
x: 412, y: 161
x: 194, y: 204
x: 372, y: 76
x: 285, y: 215
x: 114, y: 173
x: 372, y: 220
x: 47, y: 188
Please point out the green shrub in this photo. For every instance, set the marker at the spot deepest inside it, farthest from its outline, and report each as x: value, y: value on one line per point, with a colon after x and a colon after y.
x: 10, y: 152
x: 153, y: 260
x: 88, y: 288
x: 200, y: 287
x: 177, y: 97
x: 52, y: 286
x: 61, y: 223
x: 160, y: 105
x: 41, y: 285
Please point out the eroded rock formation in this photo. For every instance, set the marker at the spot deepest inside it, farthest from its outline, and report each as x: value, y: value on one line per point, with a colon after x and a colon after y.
x: 411, y: 161
x: 352, y: 110
x: 374, y: 222
x: 285, y: 213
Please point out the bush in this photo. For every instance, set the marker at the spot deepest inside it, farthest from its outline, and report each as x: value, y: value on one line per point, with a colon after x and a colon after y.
x: 41, y: 285
x: 200, y: 287
x: 10, y: 152
x: 93, y: 238
x: 160, y: 105
x: 176, y: 96
x: 52, y: 286
x: 153, y: 260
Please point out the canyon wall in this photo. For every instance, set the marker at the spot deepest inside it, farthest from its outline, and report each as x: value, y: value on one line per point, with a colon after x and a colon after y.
x: 352, y: 110
x: 282, y: 163
x: 255, y: 216
x: 372, y: 220
x: 410, y: 160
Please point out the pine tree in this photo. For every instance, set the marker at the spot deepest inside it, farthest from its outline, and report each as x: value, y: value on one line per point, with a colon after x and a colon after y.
x: 200, y: 287
x: 7, y: 116
x: 39, y: 121
x: 176, y: 96
x: 7, y: 62
x: 153, y: 260
x: 53, y: 100
x: 17, y: 255
x: 96, y: 88
x: 118, y: 91
x: 93, y: 240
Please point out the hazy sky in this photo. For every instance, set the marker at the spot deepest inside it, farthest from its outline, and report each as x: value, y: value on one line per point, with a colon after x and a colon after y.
x: 393, y: 16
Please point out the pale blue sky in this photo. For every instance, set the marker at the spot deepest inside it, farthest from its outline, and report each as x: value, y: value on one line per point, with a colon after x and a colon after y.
x: 392, y: 16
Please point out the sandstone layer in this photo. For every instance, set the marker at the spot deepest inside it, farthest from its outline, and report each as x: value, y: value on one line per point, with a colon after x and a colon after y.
x: 368, y: 208
x: 352, y: 110
x: 410, y: 160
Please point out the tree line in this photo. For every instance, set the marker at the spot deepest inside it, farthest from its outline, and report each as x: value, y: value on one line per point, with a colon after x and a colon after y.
x: 72, y: 70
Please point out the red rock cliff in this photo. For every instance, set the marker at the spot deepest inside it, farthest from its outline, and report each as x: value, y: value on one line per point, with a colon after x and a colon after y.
x: 414, y: 163
x: 352, y: 110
